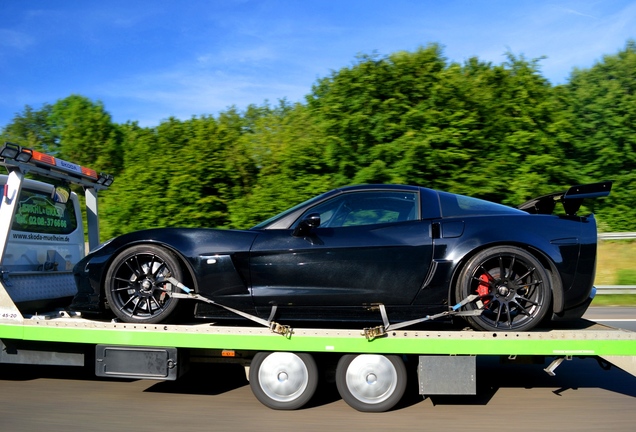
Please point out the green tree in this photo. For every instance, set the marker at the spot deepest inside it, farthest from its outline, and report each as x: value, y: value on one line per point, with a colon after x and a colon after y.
x: 135, y: 199
x: 32, y: 129
x: 474, y: 128
x: 520, y: 154
x: 287, y: 149
x: 86, y: 134
x: 365, y: 105
x: 499, y: 132
x: 602, y: 106
x: 181, y: 173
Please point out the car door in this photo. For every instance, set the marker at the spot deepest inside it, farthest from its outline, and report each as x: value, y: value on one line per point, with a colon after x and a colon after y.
x: 370, y: 247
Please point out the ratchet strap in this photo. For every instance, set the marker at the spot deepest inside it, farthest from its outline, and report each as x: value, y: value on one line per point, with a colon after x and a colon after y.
x: 188, y: 293
x: 374, y: 332
x: 370, y: 332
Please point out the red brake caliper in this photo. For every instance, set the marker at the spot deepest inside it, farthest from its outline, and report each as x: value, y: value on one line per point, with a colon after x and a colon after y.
x: 483, y: 289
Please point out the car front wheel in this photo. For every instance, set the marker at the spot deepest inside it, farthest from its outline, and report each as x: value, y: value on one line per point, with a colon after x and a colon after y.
x: 136, y: 286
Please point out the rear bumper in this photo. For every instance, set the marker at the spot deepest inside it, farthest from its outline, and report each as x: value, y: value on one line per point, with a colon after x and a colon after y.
x: 575, y: 312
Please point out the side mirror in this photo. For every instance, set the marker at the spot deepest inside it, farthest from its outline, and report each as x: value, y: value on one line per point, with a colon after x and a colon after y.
x: 308, y: 223
x: 61, y: 194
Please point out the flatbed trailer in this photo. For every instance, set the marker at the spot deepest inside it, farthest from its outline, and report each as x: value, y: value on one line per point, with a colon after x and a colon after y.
x: 446, y: 359
x: 283, y: 366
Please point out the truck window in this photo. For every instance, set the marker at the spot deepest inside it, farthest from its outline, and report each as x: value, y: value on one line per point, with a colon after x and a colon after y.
x: 37, y: 212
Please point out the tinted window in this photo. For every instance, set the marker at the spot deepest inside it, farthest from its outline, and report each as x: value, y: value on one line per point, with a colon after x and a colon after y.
x: 459, y: 205
x: 366, y: 208
x: 37, y: 212
x: 280, y: 221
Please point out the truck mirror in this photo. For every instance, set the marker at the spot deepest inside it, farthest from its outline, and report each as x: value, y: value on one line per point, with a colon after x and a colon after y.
x: 61, y: 194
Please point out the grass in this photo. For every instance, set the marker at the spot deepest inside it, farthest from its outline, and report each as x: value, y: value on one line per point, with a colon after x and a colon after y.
x: 614, y: 300
x: 616, y: 265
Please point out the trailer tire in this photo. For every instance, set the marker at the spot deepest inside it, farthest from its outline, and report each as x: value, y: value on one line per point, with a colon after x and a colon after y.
x: 283, y: 380
x: 371, y: 382
x: 134, y: 287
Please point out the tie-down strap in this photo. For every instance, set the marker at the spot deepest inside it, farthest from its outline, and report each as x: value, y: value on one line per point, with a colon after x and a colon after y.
x: 373, y: 332
x: 188, y: 293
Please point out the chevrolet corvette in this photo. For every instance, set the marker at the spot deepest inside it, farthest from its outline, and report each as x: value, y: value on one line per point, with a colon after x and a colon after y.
x: 338, y: 257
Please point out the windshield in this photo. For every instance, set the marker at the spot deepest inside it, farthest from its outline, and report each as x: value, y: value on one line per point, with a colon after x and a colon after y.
x: 280, y: 220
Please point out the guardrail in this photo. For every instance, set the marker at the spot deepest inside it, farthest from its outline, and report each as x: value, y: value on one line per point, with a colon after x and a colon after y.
x: 615, y: 289
x: 617, y: 236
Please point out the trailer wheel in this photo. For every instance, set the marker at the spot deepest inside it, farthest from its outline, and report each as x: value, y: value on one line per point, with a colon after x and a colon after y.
x: 513, y: 286
x: 135, y: 285
x: 371, y: 382
x: 283, y: 380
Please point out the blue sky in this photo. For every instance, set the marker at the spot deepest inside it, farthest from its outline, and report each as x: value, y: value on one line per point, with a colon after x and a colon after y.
x: 147, y: 60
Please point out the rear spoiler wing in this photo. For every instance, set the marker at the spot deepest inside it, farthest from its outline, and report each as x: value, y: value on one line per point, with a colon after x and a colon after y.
x: 571, y: 199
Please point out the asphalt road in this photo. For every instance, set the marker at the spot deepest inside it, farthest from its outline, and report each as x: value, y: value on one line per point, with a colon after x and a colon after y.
x: 623, y: 317
x: 519, y: 397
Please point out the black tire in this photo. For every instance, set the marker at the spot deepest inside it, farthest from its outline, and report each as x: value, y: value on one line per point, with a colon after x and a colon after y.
x: 513, y: 286
x: 371, y: 382
x: 135, y: 287
x: 283, y: 380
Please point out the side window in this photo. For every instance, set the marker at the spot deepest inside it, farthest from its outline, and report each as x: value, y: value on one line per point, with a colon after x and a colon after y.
x: 367, y: 208
x: 459, y: 205
x: 36, y: 212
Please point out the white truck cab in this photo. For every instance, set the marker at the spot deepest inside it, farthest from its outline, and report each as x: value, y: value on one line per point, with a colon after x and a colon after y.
x: 46, y: 238
x: 42, y: 233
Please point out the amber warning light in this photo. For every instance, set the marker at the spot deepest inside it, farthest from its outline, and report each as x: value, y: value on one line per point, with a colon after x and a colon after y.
x: 45, y: 159
x: 27, y: 155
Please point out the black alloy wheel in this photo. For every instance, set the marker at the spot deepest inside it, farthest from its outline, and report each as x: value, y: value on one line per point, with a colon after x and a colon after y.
x: 514, y: 289
x: 136, y: 286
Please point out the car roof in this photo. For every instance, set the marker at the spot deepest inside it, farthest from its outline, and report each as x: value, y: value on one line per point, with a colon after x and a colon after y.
x: 364, y: 187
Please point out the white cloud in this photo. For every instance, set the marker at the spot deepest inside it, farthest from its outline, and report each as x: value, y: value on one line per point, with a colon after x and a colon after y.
x: 574, y: 35
x: 147, y: 63
x: 15, y: 39
x: 183, y: 93
x: 226, y: 56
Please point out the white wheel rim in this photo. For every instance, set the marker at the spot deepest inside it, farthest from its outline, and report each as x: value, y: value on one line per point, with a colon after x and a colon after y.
x: 283, y: 377
x: 371, y: 378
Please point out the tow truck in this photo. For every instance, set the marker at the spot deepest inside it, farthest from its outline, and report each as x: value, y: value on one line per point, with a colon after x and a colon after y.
x: 283, y: 364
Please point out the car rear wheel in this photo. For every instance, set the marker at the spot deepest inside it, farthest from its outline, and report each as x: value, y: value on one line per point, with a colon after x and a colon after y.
x: 514, y: 289
x: 371, y: 382
x: 283, y: 380
x: 136, y: 286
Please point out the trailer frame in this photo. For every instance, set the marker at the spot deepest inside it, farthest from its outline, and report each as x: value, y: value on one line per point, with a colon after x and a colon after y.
x: 283, y: 374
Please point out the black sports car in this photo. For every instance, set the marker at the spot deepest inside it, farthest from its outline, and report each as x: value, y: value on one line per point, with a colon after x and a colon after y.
x: 352, y: 253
